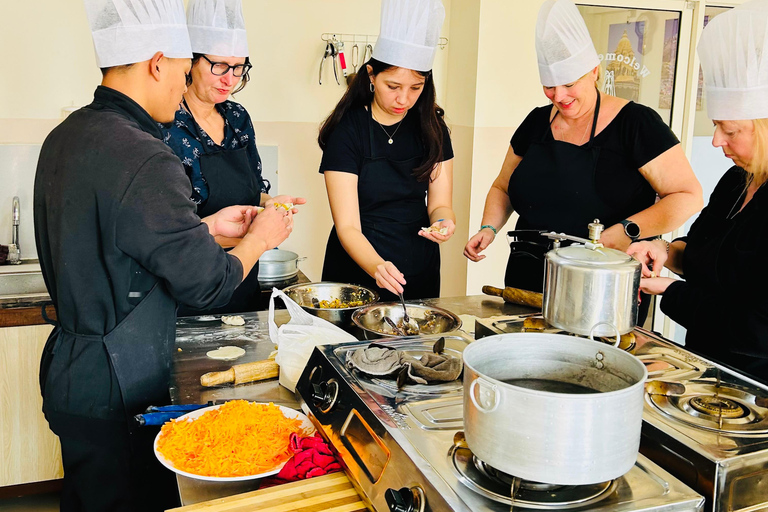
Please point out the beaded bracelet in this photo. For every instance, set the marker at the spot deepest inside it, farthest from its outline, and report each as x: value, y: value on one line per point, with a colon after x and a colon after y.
x: 489, y: 227
x: 667, y: 243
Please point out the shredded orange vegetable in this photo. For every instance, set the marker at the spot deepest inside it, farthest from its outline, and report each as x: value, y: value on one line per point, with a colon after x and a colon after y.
x: 239, y: 438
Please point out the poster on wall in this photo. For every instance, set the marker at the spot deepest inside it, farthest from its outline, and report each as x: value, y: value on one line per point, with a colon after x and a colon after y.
x: 668, y: 62
x: 624, y: 58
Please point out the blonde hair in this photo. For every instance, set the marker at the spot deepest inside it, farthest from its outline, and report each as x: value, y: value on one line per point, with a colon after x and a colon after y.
x: 758, y: 166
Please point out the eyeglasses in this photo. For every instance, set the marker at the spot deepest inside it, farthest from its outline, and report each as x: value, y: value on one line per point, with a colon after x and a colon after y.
x: 222, y: 68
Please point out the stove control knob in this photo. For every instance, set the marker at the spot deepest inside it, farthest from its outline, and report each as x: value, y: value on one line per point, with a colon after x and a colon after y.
x: 407, y: 499
x: 325, y: 395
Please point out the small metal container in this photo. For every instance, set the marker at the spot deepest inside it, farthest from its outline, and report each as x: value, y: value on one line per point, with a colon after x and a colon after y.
x: 430, y: 319
x: 277, y: 264
x: 303, y: 295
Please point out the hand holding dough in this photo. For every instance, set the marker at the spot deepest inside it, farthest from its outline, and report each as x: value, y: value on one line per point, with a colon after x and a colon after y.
x: 431, y: 229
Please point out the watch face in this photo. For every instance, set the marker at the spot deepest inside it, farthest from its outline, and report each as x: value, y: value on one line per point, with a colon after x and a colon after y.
x: 632, y: 230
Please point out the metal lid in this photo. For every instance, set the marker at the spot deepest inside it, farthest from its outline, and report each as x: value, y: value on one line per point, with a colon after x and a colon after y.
x: 600, y: 256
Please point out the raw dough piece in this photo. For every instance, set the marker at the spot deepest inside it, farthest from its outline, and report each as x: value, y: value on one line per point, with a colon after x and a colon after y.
x: 233, y: 320
x: 430, y: 229
x: 226, y: 353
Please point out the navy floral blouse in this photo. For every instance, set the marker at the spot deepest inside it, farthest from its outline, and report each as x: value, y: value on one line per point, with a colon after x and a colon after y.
x: 183, y: 139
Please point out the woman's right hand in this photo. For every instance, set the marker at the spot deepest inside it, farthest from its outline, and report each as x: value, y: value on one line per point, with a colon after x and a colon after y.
x: 478, y: 243
x: 652, y: 254
x: 387, y: 276
x: 272, y: 226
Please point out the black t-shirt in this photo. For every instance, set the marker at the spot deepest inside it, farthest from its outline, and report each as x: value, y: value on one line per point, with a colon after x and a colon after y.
x: 349, y: 143
x: 633, y: 138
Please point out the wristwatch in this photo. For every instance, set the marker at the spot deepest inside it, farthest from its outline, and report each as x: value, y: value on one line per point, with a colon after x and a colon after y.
x: 631, y: 229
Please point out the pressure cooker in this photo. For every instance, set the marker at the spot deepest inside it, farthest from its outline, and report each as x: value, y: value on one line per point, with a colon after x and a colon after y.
x: 590, y: 289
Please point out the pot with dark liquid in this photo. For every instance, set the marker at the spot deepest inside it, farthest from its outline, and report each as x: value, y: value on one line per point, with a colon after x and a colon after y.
x: 553, y: 408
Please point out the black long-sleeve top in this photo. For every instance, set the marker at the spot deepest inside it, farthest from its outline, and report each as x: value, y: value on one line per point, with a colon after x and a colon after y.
x: 723, y: 302
x: 113, y: 212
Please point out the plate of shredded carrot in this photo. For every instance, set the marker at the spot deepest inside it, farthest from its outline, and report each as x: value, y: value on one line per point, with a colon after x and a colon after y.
x: 238, y: 440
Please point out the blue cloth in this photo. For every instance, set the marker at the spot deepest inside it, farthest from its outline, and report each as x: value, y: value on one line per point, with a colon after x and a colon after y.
x: 183, y: 139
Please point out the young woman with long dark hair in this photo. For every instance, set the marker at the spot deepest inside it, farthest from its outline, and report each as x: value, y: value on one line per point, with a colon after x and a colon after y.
x: 387, y: 162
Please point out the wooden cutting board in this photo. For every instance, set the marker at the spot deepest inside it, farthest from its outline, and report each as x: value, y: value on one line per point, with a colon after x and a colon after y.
x: 328, y: 493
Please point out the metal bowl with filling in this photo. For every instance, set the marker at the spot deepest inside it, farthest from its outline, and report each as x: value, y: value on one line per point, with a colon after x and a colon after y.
x: 334, y: 302
x: 376, y: 320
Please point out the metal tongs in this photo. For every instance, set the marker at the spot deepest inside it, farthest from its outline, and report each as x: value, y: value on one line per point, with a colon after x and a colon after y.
x: 332, y: 52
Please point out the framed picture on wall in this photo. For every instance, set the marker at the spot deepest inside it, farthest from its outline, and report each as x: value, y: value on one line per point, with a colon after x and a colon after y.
x: 624, y: 58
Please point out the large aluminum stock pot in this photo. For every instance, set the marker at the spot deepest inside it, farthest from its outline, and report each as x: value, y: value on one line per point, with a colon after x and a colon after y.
x: 591, y: 290
x: 553, y: 408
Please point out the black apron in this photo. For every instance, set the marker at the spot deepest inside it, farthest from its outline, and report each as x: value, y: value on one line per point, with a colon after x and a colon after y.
x: 391, y: 228
x: 137, y: 354
x: 230, y: 182
x: 552, y: 189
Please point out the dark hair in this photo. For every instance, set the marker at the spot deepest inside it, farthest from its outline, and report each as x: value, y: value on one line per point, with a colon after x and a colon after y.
x: 123, y: 67
x: 243, y: 80
x: 430, y: 115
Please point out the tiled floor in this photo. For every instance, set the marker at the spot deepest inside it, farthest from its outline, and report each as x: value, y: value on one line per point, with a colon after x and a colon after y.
x: 35, y: 503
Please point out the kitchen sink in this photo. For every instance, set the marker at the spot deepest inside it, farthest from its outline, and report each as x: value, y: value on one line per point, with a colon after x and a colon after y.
x: 22, y: 279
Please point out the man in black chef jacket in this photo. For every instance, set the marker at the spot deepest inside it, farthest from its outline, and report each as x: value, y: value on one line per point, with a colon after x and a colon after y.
x: 116, y: 235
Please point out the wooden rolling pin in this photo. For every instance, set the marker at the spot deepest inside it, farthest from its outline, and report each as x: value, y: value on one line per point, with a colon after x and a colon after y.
x: 516, y: 296
x: 242, y: 373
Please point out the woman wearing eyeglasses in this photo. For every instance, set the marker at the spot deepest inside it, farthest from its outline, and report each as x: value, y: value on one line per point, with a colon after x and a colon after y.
x: 214, y: 136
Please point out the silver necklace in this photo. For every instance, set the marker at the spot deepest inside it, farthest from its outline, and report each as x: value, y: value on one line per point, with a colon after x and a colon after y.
x: 385, y: 131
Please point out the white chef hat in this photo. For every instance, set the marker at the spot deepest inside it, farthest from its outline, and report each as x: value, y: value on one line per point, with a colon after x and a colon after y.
x: 564, y: 49
x: 410, y: 31
x: 734, y: 59
x: 130, y: 31
x: 217, y: 27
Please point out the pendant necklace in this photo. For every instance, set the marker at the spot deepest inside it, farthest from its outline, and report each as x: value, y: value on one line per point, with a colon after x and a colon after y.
x: 390, y: 137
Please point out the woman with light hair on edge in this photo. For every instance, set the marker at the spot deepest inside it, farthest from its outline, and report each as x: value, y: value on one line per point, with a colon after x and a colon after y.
x: 723, y: 256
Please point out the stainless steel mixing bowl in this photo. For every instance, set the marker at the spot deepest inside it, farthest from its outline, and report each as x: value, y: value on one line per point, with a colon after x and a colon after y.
x: 430, y: 319
x: 303, y: 294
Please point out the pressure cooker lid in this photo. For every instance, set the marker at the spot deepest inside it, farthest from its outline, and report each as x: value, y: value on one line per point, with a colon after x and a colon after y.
x: 601, y: 256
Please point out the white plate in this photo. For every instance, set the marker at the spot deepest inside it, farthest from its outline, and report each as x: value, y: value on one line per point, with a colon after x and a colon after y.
x: 306, y: 426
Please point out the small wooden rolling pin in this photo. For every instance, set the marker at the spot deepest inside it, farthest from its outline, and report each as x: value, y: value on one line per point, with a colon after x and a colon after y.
x: 516, y: 296
x: 242, y: 373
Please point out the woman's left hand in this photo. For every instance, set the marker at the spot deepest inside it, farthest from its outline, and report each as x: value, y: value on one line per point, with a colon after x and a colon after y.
x: 435, y: 236
x: 231, y: 222
x: 655, y: 285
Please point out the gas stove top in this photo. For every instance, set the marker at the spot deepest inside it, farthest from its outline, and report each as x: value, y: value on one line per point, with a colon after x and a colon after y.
x: 404, y: 448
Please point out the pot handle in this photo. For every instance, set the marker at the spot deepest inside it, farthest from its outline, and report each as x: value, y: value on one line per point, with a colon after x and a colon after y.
x: 609, y: 324
x: 487, y: 388
x: 300, y: 258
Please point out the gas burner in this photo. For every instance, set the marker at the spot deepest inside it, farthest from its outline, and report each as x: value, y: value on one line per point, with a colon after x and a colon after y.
x: 718, y: 406
x: 703, y: 404
x: 498, y: 486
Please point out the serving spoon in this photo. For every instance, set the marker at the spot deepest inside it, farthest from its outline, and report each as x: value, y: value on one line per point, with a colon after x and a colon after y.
x: 411, y: 324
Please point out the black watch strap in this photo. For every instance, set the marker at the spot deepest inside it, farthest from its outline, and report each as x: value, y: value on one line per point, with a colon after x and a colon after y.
x: 631, y: 229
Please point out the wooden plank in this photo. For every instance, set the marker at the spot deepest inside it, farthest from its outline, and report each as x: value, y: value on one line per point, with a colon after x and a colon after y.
x: 328, y: 493
x: 16, y: 317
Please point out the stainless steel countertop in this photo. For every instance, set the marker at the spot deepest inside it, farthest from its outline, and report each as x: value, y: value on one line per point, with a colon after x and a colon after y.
x: 195, y: 338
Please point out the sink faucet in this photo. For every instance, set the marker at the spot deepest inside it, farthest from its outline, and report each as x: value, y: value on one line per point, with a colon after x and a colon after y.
x: 14, y: 251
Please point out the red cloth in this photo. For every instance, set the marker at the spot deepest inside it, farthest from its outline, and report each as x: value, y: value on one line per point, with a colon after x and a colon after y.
x: 311, y: 457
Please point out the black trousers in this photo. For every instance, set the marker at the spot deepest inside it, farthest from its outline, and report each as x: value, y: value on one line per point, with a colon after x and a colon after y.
x: 121, y: 476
